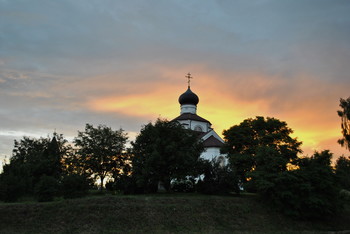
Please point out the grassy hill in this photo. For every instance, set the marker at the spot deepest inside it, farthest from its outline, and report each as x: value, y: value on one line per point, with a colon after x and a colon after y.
x: 163, y: 213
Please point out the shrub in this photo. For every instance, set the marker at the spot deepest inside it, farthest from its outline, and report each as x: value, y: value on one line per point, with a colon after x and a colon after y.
x: 11, y: 188
x: 74, y: 186
x: 218, y: 179
x: 46, y: 189
x: 344, y: 194
x: 184, y: 186
x: 309, y: 192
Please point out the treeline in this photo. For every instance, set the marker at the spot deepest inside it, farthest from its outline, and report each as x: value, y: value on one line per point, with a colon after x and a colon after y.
x: 262, y: 158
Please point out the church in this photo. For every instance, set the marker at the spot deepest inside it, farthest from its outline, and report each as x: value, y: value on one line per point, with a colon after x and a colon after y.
x: 189, y: 119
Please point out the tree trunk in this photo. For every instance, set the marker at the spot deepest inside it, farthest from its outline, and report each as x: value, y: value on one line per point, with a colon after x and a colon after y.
x: 101, y: 185
x: 166, y: 184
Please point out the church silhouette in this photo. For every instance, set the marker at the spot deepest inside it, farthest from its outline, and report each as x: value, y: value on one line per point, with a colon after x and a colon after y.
x: 190, y: 120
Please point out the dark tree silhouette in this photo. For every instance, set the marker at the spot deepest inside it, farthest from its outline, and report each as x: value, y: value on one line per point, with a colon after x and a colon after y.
x: 344, y: 114
x: 164, y: 151
x: 342, y: 172
x: 260, y: 145
x: 31, y: 160
x: 99, y: 150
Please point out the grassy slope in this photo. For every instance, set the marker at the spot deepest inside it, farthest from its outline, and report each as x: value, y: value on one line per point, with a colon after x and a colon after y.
x: 155, y: 213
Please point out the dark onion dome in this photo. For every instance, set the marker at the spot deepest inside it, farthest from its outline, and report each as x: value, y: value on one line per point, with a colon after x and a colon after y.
x: 188, y: 97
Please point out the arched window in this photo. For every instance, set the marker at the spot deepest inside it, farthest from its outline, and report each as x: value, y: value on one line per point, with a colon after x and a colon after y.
x: 198, y: 128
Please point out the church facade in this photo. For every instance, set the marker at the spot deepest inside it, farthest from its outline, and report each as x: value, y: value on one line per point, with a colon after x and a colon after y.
x: 189, y: 119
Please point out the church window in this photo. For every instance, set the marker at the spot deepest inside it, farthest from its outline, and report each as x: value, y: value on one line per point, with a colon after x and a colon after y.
x: 198, y: 128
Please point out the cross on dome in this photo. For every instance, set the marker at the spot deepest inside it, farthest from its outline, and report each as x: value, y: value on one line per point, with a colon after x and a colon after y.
x: 189, y: 77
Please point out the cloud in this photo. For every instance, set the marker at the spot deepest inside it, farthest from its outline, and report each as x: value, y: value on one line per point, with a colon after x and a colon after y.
x: 66, y: 63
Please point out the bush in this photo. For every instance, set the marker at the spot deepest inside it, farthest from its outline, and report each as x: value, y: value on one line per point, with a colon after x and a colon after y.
x: 110, y: 186
x: 184, y: 186
x: 344, y: 194
x: 309, y: 192
x: 11, y: 188
x: 74, y: 186
x: 218, y: 179
x: 342, y: 172
x: 46, y: 189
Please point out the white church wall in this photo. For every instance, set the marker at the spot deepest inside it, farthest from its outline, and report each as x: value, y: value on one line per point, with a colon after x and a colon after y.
x: 211, y: 152
x: 188, y: 109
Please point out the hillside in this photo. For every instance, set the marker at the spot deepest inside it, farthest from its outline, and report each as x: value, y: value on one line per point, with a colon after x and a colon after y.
x: 162, y: 213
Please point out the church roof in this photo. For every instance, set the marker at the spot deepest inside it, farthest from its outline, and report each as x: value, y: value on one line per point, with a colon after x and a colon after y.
x: 190, y: 116
x: 188, y: 97
x: 212, y: 142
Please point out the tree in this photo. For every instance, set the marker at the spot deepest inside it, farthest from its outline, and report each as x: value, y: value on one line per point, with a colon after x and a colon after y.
x: 164, y: 151
x: 342, y: 172
x: 31, y: 159
x: 260, y: 145
x: 344, y: 114
x: 99, y: 149
x: 310, y: 191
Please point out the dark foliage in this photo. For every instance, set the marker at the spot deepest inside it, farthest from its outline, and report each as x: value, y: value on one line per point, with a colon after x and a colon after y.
x: 32, y: 159
x: 100, y: 152
x: 47, y: 189
x: 344, y: 114
x: 182, y: 186
x: 309, y: 192
x: 260, y: 145
x: 163, y: 152
x: 12, y: 187
x: 74, y: 186
x: 342, y: 172
x: 127, y: 185
x: 218, y: 179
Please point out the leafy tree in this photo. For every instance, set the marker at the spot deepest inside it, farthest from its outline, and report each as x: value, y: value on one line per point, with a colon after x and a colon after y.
x: 99, y: 150
x: 260, y: 145
x: 307, y: 192
x: 122, y: 167
x: 344, y: 114
x: 164, y: 151
x: 31, y: 159
x: 121, y: 173
x: 342, y: 172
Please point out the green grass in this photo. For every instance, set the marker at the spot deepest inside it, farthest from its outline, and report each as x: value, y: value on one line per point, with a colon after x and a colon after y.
x: 160, y: 213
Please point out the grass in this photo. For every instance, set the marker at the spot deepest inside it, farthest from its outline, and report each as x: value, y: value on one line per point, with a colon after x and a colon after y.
x: 160, y: 213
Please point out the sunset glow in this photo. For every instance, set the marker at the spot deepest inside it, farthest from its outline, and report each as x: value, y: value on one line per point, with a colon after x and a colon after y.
x: 123, y: 64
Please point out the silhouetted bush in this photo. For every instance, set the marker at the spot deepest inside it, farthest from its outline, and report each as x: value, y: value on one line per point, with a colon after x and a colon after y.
x: 110, y: 186
x: 128, y: 185
x: 74, y: 186
x: 46, y: 189
x: 184, y: 186
x: 11, y: 188
x: 218, y: 179
x: 309, y: 192
x: 342, y: 172
x: 344, y: 194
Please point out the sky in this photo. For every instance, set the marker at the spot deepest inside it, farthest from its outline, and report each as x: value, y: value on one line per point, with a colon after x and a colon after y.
x: 123, y: 64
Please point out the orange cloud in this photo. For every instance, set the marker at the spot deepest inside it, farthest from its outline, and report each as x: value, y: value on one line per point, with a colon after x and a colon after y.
x: 228, y: 99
